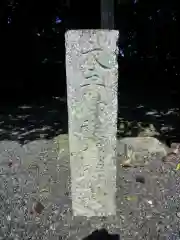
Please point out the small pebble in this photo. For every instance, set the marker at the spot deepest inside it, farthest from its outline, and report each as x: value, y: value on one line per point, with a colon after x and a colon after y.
x: 140, y: 179
x: 38, y: 207
x: 178, y: 214
x: 10, y: 164
x: 150, y: 202
x: 9, y: 218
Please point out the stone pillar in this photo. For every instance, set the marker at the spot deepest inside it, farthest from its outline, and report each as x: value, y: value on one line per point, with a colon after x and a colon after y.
x: 92, y: 78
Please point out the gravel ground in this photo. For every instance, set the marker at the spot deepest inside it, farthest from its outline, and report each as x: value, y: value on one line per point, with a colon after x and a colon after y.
x: 35, y: 200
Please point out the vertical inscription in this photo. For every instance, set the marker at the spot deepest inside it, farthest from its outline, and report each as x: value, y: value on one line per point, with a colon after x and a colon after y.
x: 91, y: 69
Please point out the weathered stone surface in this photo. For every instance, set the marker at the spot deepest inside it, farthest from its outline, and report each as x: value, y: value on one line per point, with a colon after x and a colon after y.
x: 91, y: 70
x: 135, y: 151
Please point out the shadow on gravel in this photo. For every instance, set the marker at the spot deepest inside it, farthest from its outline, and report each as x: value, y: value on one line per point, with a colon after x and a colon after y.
x: 28, y: 120
x: 102, y: 234
x: 46, y: 117
x: 137, y: 113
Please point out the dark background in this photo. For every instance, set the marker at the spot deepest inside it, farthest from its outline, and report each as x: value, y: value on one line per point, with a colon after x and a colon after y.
x: 33, y: 64
x: 32, y: 48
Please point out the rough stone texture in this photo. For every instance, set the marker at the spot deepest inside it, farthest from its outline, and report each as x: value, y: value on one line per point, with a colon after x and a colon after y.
x: 136, y: 151
x: 91, y: 70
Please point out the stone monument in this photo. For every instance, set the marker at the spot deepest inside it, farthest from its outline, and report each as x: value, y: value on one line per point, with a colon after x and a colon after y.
x: 92, y: 79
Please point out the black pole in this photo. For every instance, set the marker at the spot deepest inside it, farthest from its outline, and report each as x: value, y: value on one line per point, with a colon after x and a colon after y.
x: 107, y: 14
